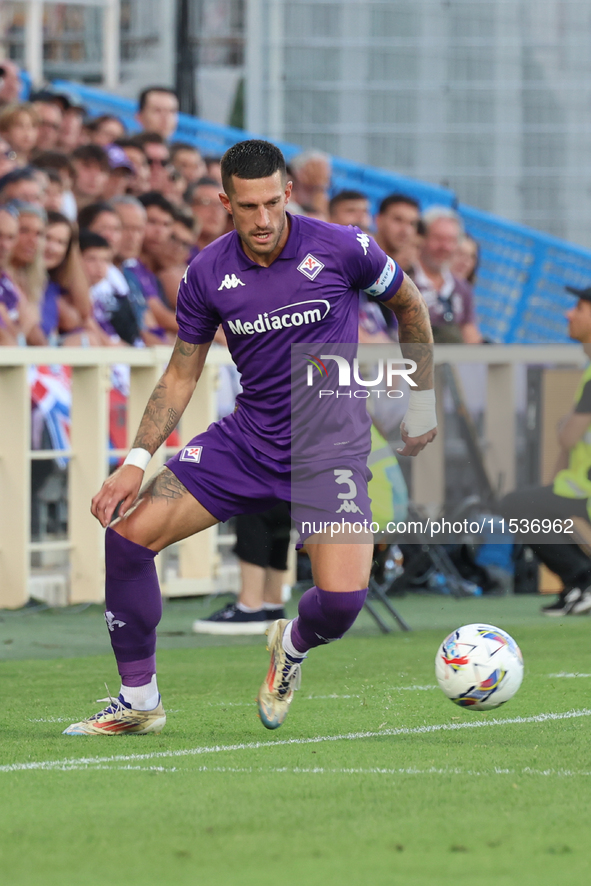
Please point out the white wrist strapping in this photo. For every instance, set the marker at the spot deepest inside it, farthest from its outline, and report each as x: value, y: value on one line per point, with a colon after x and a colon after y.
x: 139, y: 458
x: 420, y: 416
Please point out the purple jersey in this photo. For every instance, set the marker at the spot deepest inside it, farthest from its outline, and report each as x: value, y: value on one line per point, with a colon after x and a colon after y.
x: 309, y: 294
x: 9, y: 297
x: 147, y: 279
x: 50, y: 308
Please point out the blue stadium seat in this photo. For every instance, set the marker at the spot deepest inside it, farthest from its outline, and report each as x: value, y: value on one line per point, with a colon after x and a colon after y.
x: 520, y: 293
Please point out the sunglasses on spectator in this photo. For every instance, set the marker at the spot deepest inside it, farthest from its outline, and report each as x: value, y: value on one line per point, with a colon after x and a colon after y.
x: 50, y: 124
x: 154, y: 162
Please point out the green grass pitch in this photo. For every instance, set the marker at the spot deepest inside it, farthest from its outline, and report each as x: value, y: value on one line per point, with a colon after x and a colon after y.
x: 374, y: 778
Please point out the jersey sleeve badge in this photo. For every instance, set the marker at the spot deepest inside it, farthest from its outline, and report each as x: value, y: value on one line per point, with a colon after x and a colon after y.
x: 385, y: 280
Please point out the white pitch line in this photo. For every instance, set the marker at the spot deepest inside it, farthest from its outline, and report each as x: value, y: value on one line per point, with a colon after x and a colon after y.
x: 320, y: 770
x: 563, y: 675
x: 256, y: 745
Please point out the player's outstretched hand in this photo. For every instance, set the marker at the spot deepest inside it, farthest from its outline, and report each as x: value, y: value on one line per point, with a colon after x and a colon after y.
x: 413, y: 445
x: 121, y: 488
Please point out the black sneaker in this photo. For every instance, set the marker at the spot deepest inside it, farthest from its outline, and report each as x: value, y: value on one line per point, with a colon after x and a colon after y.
x: 232, y: 621
x: 274, y: 614
x: 571, y: 601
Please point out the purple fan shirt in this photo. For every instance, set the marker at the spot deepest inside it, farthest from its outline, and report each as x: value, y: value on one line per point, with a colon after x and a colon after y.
x: 50, y: 308
x: 9, y: 296
x: 147, y: 280
x: 310, y: 293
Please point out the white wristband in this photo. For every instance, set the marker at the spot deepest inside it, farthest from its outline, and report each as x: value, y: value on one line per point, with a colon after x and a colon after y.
x: 139, y: 458
x: 420, y: 416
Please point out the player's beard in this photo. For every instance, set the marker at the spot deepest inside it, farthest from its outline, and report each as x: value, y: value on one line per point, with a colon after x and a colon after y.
x: 271, y: 244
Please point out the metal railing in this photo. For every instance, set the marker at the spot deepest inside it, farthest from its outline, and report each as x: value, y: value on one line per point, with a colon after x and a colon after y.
x: 88, y: 465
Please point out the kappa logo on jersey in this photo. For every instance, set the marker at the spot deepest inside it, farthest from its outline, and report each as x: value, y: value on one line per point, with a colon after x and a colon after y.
x: 363, y: 241
x: 191, y: 453
x: 230, y: 281
x: 310, y: 267
x: 348, y: 506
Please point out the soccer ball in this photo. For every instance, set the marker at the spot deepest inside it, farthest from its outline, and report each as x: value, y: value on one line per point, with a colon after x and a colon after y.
x: 479, y: 667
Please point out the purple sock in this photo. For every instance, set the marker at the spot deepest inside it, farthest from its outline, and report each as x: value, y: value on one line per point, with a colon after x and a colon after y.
x: 133, y: 607
x: 324, y: 616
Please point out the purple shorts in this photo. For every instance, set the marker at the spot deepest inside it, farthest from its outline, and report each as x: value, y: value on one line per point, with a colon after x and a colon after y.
x: 228, y: 476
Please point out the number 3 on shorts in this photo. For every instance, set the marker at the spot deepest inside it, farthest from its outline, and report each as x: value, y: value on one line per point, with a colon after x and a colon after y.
x: 342, y: 476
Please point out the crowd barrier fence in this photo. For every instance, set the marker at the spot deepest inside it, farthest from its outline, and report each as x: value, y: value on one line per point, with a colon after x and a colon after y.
x: 88, y: 454
x: 88, y: 459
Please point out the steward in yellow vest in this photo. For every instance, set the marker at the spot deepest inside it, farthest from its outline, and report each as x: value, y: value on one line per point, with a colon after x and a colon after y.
x: 575, y: 480
x: 533, y: 509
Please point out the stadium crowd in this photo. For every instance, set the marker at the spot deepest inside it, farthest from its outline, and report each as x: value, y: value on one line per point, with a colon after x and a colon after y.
x: 97, y: 226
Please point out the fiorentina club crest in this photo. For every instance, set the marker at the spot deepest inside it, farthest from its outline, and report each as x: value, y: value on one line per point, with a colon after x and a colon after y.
x: 310, y: 267
x: 191, y: 453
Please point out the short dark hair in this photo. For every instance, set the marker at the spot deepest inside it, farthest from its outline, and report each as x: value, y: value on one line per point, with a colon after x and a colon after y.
x: 184, y: 219
x: 183, y: 146
x: 251, y: 159
x: 45, y: 97
x: 155, y: 198
x: 92, y: 154
x: 104, y: 118
x: 392, y: 199
x: 22, y: 174
x: 205, y: 181
x: 143, y: 96
x: 53, y: 176
x: 342, y: 196
x: 57, y: 160
x: 58, y: 218
x: 146, y: 138
x: 128, y: 142
x: 88, y: 214
x: 93, y: 124
x: 90, y: 240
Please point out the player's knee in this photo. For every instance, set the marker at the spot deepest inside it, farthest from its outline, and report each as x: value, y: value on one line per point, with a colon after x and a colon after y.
x: 345, y: 574
x: 124, y: 557
x: 135, y: 529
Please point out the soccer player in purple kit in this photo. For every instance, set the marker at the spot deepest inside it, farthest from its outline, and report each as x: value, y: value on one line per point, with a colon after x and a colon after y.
x: 276, y: 280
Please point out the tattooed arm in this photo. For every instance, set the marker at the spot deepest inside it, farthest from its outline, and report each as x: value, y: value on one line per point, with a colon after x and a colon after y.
x: 419, y: 425
x: 163, y: 411
x: 170, y: 396
x: 414, y: 331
